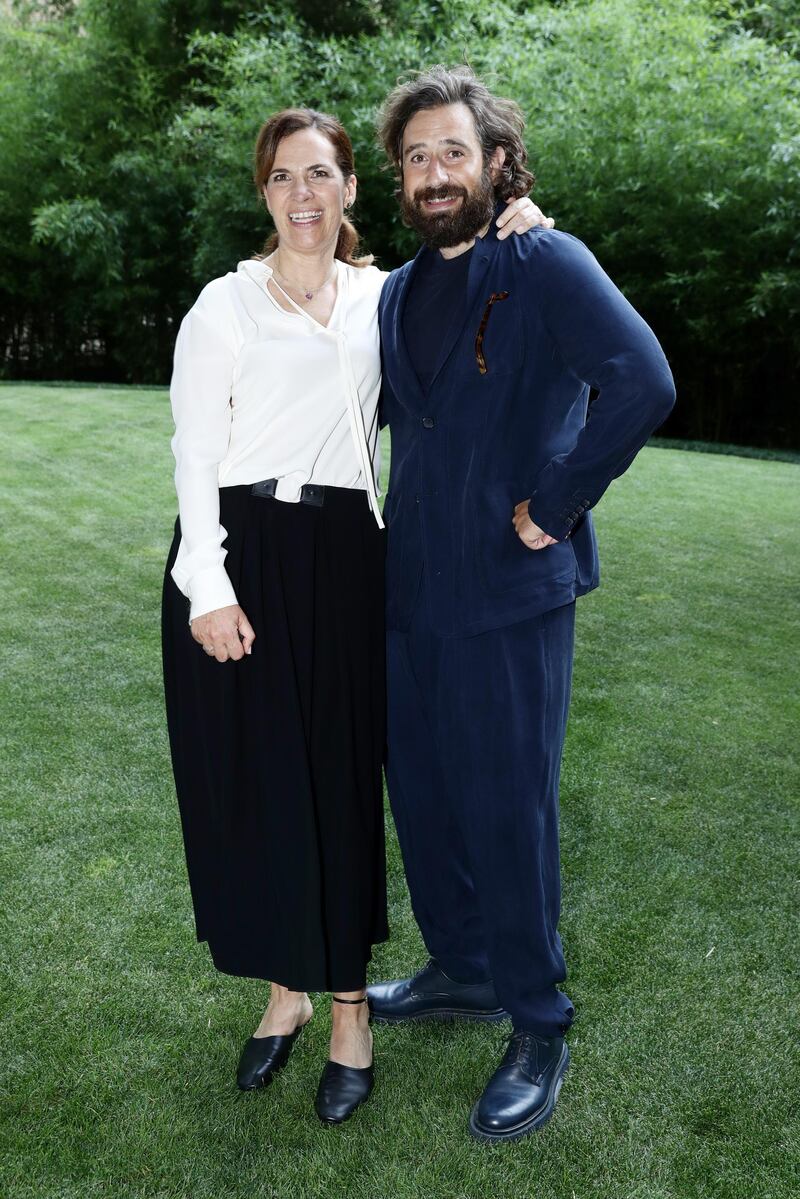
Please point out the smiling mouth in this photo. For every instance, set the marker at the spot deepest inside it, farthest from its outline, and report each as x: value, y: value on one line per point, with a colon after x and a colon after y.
x: 440, y: 201
x: 305, y: 218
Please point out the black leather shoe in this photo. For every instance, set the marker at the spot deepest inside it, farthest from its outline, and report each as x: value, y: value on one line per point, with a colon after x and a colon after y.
x: 431, y: 995
x: 341, y: 1090
x: 521, y: 1094
x: 262, y: 1058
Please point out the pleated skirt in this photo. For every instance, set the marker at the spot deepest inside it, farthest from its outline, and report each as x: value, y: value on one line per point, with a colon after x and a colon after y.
x: 277, y: 758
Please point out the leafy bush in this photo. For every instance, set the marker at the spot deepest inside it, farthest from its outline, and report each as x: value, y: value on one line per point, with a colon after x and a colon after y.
x: 664, y: 135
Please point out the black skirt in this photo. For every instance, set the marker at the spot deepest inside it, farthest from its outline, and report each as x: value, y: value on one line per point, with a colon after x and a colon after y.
x: 277, y: 758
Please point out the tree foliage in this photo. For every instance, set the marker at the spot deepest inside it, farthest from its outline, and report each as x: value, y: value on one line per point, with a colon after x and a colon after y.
x: 664, y: 135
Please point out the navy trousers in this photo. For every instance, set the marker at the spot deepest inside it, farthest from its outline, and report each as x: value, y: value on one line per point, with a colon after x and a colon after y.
x: 476, y: 727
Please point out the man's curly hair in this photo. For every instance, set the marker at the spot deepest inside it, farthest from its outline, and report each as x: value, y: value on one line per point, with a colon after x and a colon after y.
x: 498, y: 122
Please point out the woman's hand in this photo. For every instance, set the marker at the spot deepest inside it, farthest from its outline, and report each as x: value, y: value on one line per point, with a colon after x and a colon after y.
x: 521, y: 215
x: 529, y: 533
x: 224, y: 633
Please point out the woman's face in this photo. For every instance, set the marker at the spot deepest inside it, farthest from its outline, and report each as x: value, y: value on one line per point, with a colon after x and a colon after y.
x: 306, y: 192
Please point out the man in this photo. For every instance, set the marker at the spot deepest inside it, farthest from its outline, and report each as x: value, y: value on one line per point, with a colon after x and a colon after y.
x: 490, y: 349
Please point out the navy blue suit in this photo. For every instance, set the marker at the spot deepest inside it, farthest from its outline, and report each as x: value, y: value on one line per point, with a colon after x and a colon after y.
x: 480, y: 628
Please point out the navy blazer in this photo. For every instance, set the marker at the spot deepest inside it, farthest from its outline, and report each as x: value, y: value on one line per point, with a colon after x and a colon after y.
x: 504, y: 420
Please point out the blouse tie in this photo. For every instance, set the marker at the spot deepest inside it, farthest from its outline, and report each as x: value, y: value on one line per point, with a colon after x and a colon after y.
x: 355, y: 412
x: 356, y: 415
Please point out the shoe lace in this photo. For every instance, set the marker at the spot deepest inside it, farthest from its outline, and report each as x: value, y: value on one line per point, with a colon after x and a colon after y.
x: 523, y: 1051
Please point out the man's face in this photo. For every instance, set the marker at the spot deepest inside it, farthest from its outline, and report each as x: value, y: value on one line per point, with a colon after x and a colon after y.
x: 448, y: 193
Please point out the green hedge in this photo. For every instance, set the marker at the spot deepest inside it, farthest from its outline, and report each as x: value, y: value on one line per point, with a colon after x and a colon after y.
x: 665, y: 135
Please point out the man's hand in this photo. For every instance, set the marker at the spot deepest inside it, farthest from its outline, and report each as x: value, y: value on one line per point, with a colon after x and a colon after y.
x: 529, y: 533
x: 224, y: 633
x: 519, y: 216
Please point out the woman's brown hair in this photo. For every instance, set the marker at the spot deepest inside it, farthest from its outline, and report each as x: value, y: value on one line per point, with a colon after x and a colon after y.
x: 291, y: 120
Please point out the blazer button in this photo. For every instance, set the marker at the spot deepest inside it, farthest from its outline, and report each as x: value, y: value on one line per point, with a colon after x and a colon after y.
x: 427, y: 422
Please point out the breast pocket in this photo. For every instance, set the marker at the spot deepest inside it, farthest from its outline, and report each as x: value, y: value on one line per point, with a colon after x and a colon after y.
x: 492, y: 343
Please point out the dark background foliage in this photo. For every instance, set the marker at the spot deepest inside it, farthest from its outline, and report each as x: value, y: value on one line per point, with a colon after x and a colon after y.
x: 666, y: 136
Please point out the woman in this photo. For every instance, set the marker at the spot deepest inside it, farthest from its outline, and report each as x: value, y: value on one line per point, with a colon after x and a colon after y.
x: 274, y: 668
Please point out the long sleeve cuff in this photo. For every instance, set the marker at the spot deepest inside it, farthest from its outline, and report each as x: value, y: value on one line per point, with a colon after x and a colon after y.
x: 557, y: 524
x: 207, y: 590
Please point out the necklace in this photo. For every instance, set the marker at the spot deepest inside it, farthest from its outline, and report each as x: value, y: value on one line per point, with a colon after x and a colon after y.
x: 308, y: 292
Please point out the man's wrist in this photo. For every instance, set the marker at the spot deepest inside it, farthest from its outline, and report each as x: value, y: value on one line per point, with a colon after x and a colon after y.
x: 559, y: 524
x: 544, y: 524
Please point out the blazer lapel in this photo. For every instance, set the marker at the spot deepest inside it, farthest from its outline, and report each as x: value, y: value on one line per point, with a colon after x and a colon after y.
x: 482, y: 255
x: 412, y: 392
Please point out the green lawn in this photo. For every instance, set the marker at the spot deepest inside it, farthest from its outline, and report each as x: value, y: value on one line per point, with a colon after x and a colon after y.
x: 679, y: 809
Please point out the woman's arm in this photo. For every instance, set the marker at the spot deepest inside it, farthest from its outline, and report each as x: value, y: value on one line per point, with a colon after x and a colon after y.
x: 200, y: 393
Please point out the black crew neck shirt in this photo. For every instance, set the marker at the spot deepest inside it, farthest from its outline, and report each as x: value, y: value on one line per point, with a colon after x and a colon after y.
x: 434, y: 303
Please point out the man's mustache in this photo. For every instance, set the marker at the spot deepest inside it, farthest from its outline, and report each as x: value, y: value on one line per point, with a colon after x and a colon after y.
x: 439, y: 193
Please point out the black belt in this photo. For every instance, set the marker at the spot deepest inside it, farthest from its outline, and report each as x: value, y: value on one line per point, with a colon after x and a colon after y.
x: 310, y: 493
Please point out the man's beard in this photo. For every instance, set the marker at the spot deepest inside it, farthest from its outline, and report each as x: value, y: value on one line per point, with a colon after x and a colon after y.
x: 440, y: 230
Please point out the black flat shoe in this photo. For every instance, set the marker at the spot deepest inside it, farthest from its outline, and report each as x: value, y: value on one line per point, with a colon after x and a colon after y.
x: 521, y: 1095
x: 341, y: 1090
x: 264, y: 1057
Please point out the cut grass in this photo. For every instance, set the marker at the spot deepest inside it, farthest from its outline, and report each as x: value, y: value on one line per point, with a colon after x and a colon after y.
x: 679, y: 816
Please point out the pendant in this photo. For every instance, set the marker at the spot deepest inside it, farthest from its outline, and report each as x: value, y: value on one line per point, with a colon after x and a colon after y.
x: 309, y: 295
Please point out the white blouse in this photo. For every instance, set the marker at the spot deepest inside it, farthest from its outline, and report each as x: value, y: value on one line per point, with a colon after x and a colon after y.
x: 261, y: 393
